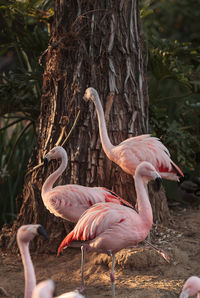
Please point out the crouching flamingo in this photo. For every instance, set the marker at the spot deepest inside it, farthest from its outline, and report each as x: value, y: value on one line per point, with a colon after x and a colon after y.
x: 71, y: 200
x: 191, y: 287
x: 129, y: 153
x: 46, y: 289
x: 108, y: 228
x: 25, y: 234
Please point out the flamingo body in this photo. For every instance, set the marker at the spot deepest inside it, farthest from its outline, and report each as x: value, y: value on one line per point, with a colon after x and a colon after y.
x: 71, y: 200
x: 129, y: 153
x: 104, y: 227
x: 191, y: 287
x: 110, y: 227
x: 46, y: 289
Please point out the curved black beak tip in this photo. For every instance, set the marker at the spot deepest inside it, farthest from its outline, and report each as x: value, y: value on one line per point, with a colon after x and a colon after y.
x: 158, y: 183
x: 45, y: 162
x: 41, y: 230
x: 55, y: 292
x: 197, y: 192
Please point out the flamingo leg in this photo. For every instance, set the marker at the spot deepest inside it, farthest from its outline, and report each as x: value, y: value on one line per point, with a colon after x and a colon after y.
x: 112, y: 276
x: 160, y: 251
x: 82, y: 267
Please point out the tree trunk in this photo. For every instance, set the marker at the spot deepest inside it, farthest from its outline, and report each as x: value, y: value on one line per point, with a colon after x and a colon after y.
x: 98, y: 44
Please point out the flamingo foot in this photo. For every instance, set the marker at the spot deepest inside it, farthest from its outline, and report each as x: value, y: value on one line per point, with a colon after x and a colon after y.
x: 81, y: 289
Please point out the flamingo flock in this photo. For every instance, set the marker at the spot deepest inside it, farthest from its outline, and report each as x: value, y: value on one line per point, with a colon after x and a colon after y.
x: 104, y: 222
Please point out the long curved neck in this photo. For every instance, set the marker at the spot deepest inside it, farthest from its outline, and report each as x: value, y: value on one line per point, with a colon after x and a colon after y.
x: 29, y: 272
x: 143, y: 204
x: 106, y: 144
x: 48, y: 184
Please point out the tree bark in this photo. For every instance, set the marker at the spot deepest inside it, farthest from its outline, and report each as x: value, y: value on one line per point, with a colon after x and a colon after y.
x: 98, y: 44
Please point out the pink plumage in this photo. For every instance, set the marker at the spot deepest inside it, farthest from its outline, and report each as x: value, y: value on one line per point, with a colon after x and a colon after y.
x: 191, y: 287
x: 25, y: 234
x: 71, y: 200
x: 46, y: 289
x: 129, y: 153
x: 108, y: 227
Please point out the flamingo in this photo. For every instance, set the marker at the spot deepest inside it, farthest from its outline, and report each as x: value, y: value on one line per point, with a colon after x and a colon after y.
x: 25, y: 234
x: 46, y: 289
x: 71, y: 200
x: 129, y: 153
x: 108, y: 228
x: 191, y: 287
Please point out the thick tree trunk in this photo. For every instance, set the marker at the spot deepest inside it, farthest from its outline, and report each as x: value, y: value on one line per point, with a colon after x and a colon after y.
x: 98, y: 44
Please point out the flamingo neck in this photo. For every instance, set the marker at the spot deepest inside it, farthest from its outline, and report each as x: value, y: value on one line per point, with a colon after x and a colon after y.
x: 48, y: 185
x: 29, y: 272
x: 143, y: 204
x: 106, y: 144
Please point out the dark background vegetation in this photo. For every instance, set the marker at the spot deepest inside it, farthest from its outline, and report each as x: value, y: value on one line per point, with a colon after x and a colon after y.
x: 172, y: 47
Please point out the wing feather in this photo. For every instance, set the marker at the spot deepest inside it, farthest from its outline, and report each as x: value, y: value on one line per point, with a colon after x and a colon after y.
x: 93, y: 222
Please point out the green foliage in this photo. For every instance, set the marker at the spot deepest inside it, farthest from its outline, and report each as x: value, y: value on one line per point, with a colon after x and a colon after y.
x: 24, y: 30
x: 171, y: 19
x: 16, y: 144
x: 174, y: 79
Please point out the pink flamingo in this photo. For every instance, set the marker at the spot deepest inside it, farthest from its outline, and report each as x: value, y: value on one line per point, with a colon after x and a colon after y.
x: 129, y: 153
x: 25, y: 234
x: 70, y: 201
x: 46, y: 289
x: 108, y: 228
x: 191, y: 287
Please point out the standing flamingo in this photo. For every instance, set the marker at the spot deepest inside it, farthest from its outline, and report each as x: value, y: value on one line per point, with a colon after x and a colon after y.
x: 109, y: 227
x: 46, y: 289
x: 71, y: 200
x: 191, y: 287
x: 25, y: 234
x: 129, y: 153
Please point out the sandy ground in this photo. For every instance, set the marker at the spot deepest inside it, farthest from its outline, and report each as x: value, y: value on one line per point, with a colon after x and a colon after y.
x: 140, y: 272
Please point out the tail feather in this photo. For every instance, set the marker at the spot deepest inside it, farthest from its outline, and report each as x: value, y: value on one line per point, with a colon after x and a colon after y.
x: 66, y: 241
x: 121, y: 201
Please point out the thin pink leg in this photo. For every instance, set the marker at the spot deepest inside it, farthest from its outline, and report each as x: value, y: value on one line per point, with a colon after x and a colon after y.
x: 82, y: 287
x: 112, y: 276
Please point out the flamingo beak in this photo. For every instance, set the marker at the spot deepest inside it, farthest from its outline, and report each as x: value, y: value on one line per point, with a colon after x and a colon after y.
x: 197, y: 192
x: 41, y: 230
x: 158, y: 183
x: 45, y: 162
x: 54, y: 292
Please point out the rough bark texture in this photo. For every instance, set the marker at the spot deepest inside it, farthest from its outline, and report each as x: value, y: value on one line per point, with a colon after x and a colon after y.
x: 98, y: 44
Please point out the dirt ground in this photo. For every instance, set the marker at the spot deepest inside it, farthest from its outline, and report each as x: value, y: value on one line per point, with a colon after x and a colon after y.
x: 140, y: 272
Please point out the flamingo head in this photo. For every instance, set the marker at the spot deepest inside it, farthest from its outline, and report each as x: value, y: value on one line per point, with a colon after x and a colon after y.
x: 45, y: 289
x: 90, y: 93
x: 27, y: 232
x: 55, y: 153
x: 191, y: 287
x: 148, y: 172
